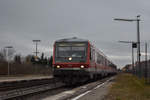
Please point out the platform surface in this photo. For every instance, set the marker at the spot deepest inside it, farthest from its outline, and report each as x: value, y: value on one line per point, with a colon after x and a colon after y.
x: 21, y: 78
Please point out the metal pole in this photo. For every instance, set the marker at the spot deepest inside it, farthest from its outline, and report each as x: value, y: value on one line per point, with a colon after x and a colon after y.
x: 133, y: 46
x: 133, y: 60
x: 36, y: 44
x: 36, y: 50
x: 8, y: 69
x: 8, y: 63
x: 138, y: 66
x: 146, y: 71
x: 138, y: 47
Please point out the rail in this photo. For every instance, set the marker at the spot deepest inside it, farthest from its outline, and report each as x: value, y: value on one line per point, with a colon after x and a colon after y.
x: 17, y: 89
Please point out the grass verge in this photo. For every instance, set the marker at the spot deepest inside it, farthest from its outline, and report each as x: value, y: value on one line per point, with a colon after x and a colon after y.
x: 129, y: 87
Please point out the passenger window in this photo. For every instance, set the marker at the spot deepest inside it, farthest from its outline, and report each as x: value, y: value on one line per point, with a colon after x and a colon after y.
x: 90, y: 54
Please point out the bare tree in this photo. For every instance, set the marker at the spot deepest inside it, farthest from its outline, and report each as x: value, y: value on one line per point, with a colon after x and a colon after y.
x: 28, y: 58
x: 51, y: 61
x: 17, y: 58
x: 3, y: 54
x: 1, y: 57
x: 10, y: 53
x: 42, y: 56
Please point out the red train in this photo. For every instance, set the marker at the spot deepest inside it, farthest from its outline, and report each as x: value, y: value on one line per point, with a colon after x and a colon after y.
x: 77, y: 60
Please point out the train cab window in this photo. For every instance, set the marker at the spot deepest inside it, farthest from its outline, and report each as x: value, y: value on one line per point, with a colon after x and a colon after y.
x: 105, y: 62
x: 78, y: 51
x: 64, y: 51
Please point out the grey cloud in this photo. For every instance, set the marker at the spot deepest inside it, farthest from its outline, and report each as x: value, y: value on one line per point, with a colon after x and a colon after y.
x: 21, y: 21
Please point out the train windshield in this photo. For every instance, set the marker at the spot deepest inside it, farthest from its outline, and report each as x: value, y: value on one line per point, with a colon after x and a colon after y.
x: 77, y: 51
x: 71, y: 51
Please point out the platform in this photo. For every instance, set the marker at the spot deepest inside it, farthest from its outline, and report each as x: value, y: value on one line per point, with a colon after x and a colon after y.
x: 22, y: 78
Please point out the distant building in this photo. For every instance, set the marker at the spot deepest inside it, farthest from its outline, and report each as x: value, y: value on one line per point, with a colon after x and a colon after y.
x: 127, y: 68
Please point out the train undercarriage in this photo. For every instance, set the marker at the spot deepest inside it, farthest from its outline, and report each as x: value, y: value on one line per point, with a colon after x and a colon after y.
x: 73, y: 77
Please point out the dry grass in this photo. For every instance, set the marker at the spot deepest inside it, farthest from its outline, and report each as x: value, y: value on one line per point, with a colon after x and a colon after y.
x: 129, y: 87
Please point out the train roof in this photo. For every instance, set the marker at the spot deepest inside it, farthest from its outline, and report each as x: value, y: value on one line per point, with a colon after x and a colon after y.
x: 73, y: 39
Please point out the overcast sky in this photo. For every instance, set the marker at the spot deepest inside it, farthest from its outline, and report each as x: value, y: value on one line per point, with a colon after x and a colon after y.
x: 22, y: 21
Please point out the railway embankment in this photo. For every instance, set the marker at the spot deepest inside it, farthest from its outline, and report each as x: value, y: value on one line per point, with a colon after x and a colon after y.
x: 128, y: 87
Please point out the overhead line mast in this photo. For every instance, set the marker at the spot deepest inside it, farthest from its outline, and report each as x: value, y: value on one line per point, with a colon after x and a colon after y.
x: 36, y: 49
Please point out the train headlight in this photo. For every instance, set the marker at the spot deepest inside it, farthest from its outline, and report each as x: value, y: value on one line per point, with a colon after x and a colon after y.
x: 58, y: 66
x: 70, y: 58
x: 82, y: 66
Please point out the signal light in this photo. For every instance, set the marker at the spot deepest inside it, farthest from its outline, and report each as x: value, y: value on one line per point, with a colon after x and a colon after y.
x: 134, y: 45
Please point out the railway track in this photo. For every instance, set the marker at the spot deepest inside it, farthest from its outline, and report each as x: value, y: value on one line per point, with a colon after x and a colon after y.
x: 22, y: 89
x: 9, y: 90
x: 78, y: 91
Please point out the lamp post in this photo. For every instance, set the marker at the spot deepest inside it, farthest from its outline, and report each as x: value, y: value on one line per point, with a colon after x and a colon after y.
x: 36, y: 43
x: 8, y: 69
x: 138, y: 39
x: 133, y: 46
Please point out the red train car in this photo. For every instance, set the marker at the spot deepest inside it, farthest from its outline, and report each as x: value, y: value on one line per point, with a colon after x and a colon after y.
x: 77, y: 60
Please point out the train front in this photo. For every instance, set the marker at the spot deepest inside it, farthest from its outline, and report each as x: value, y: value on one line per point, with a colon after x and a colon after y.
x: 70, y: 60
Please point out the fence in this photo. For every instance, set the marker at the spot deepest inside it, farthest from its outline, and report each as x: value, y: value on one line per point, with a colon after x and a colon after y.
x: 143, y: 71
